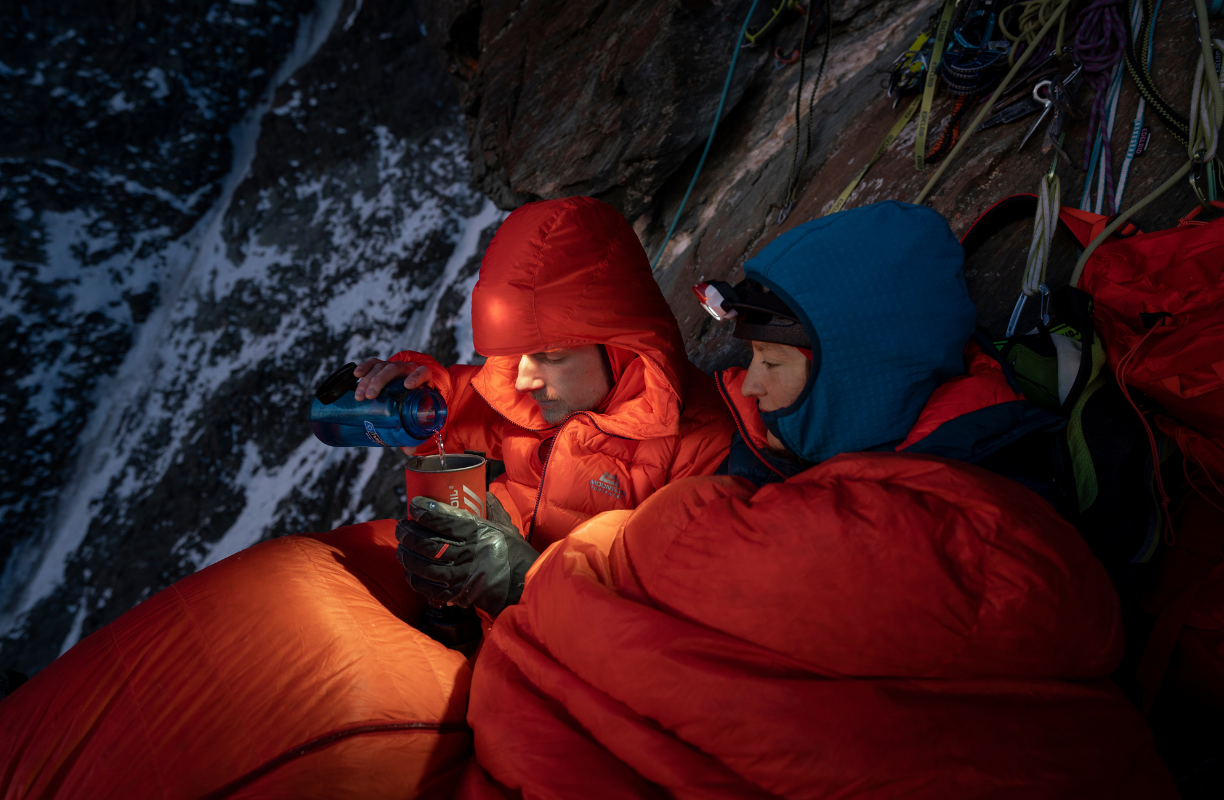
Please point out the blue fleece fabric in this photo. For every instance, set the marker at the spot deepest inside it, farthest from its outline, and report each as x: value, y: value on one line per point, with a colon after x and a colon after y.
x: 883, y: 291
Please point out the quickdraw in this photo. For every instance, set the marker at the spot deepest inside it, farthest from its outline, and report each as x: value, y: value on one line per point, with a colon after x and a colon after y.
x: 951, y: 131
x: 906, y: 72
x: 1044, y: 224
x: 1057, y: 16
x: 970, y: 65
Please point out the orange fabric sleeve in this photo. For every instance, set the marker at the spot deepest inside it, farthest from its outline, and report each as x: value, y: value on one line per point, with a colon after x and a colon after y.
x: 470, y: 423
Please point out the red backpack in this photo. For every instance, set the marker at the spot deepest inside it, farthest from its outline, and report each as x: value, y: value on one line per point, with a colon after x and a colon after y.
x: 1158, y: 308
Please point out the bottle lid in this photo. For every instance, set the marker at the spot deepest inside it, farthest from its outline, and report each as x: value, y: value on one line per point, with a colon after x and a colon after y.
x: 337, y: 385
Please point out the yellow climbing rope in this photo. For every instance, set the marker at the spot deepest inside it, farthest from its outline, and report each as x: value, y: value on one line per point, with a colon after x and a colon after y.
x: 1033, y: 18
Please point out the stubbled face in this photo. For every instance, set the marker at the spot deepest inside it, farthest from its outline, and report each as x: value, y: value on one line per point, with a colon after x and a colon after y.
x: 564, y: 381
x: 776, y: 378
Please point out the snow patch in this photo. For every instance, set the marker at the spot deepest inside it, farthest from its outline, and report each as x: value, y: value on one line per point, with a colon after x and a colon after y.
x: 348, y: 23
x: 155, y: 79
x: 119, y: 103
x: 102, y: 438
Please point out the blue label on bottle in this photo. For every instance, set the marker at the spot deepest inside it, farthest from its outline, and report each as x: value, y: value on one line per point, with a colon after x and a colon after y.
x: 369, y: 428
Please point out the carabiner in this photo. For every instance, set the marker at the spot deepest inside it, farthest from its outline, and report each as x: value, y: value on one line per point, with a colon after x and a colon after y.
x: 1015, y: 317
x: 1196, y: 175
x: 1045, y: 304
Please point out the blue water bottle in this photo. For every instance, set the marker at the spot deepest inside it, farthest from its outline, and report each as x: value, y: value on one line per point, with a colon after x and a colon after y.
x: 396, y: 418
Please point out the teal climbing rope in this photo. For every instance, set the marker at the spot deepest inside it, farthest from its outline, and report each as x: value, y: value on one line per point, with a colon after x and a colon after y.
x: 709, y: 141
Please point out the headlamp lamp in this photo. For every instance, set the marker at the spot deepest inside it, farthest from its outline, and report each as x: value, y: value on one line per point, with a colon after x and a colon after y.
x: 717, y: 298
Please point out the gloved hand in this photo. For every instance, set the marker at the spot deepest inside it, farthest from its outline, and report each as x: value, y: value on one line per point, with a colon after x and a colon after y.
x: 454, y: 556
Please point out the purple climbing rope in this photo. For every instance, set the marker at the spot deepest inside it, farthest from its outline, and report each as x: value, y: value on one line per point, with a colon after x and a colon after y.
x: 1099, y: 43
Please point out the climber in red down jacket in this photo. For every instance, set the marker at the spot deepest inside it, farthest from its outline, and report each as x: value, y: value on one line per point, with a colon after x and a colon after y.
x: 587, y: 396
x: 864, y: 607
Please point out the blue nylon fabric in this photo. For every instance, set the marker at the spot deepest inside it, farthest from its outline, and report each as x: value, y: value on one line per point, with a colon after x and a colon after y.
x: 882, y: 289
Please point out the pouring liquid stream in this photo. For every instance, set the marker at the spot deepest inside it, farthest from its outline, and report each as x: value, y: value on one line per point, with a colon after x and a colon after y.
x: 441, y: 447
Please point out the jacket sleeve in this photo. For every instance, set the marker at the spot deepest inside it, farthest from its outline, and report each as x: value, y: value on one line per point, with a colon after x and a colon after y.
x: 470, y: 423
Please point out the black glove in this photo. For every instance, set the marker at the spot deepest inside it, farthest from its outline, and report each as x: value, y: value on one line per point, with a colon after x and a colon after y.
x: 454, y: 556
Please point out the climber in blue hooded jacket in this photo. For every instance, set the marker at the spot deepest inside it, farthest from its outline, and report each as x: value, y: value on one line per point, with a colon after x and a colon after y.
x: 863, y: 340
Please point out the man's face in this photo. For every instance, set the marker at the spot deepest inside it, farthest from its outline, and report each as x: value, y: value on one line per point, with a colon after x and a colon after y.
x: 776, y: 378
x: 564, y: 381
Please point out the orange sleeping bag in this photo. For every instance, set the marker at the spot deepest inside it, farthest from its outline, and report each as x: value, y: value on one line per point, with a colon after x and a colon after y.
x: 878, y: 626
x: 287, y: 670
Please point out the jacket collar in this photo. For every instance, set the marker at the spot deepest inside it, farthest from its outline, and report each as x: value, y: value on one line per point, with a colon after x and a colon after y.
x: 967, y: 417
x: 642, y: 403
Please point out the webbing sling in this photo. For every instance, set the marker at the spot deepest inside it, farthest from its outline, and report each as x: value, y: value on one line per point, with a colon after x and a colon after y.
x: 879, y: 153
x: 932, y: 78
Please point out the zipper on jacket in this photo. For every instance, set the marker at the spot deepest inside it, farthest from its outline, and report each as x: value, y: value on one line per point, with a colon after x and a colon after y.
x: 544, y: 468
x: 739, y: 424
x: 544, y: 471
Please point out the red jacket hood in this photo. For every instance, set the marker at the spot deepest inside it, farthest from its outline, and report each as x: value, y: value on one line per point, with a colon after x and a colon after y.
x: 564, y: 273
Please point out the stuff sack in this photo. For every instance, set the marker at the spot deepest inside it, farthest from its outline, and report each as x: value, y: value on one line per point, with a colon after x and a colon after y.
x: 287, y: 670
x: 1160, y: 310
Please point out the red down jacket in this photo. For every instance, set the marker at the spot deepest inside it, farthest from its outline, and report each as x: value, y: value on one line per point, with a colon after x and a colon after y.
x: 563, y: 273
x: 879, y: 625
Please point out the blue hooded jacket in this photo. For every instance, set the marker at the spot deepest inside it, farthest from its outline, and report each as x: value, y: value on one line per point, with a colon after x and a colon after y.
x: 881, y: 292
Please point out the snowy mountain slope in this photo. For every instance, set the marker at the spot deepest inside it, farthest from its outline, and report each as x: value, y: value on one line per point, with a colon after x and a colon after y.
x: 345, y: 228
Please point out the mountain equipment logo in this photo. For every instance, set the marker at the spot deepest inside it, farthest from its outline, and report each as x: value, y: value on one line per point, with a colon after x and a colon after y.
x: 608, y: 484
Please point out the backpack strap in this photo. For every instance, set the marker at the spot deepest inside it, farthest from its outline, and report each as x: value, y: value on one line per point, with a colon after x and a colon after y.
x: 1083, y: 226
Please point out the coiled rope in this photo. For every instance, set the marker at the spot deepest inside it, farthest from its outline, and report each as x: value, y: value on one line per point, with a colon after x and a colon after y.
x: 1099, y: 43
x: 1032, y: 26
x: 1138, y: 64
x: 1206, y: 116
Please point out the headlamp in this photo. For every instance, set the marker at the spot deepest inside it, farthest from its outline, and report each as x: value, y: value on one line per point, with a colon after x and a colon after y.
x: 717, y: 298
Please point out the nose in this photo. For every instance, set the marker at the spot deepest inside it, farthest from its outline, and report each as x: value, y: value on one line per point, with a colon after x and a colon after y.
x: 528, y: 379
x: 752, y: 386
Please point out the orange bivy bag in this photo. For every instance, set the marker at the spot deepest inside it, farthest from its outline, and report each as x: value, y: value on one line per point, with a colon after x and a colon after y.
x: 287, y: 670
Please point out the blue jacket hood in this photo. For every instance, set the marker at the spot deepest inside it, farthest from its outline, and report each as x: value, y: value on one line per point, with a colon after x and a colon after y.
x: 882, y: 291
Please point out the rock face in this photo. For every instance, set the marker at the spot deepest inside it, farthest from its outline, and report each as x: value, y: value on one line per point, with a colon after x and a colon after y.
x: 603, y: 99
x: 542, y: 126
x: 174, y: 285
